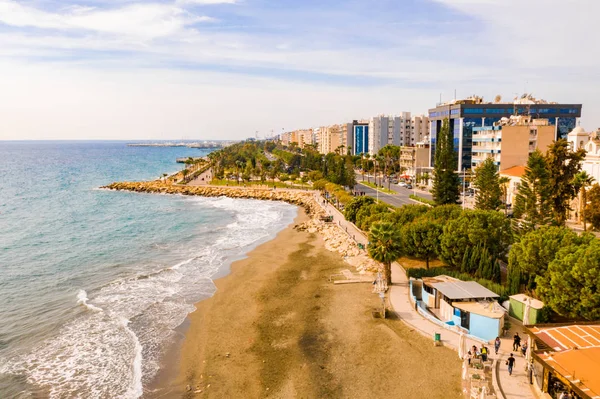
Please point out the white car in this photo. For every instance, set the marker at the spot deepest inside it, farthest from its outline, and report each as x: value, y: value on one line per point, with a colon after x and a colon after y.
x: 402, y: 184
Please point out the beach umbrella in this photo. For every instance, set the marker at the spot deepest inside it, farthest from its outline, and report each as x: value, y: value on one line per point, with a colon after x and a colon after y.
x: 465, y: 369
x: 462, y: 345
x: 528, y: 353
x: 483, y: 392
x: 526, y: 311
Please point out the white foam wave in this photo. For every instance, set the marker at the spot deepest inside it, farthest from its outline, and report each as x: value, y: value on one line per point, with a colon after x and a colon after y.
x: 115, y: 349
x: 83, y: 300
x: 135, y: 390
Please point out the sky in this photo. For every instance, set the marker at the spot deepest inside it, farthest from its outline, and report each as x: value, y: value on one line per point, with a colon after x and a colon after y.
x: 233, y: 69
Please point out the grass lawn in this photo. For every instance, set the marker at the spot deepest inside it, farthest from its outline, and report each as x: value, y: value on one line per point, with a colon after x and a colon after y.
x: 412, y: 263
x: 383, y: 190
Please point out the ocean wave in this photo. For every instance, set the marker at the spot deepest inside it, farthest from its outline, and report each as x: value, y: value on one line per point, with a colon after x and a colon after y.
x: 114, y: 347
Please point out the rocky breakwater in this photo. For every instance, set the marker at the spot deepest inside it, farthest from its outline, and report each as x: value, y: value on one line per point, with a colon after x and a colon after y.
x: 337, y: 240
x: 304, y: 199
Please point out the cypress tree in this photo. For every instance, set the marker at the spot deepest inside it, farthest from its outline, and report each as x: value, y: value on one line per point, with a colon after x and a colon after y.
x: 496, y: 272
x: 465, y: 265
x: 488, y: 186
x: 445, y: 179
x: 475, y: 258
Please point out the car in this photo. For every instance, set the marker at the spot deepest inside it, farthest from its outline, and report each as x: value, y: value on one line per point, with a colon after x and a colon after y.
x: 402, y: 184
x: 409, y: 186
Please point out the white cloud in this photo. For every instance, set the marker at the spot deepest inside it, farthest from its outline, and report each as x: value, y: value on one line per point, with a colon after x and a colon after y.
x: 207, y: 2
x: 143, y: 20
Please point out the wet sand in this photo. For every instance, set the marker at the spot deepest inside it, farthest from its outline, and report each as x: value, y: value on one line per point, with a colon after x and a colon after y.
x: 278, y: 328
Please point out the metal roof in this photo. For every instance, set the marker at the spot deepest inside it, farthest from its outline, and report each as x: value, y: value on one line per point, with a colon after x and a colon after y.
x: 464, y: 290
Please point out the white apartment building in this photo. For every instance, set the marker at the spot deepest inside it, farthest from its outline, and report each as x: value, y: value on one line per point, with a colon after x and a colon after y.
x: 378, y: 133
x: 419, y: 129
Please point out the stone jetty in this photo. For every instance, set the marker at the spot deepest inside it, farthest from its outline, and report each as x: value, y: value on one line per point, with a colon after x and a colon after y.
x: 336, y: 239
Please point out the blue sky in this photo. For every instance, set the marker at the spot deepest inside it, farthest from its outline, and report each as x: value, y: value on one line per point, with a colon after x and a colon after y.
x: 228, y: 68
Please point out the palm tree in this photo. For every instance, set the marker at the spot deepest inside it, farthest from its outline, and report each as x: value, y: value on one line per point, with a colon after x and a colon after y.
x: 385, y: 246
x: 581, y: 181
x: 504, y: 181
x: 368, y: 156
x: 184, y: 173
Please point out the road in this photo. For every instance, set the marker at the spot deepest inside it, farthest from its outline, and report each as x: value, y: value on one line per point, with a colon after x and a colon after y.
x: 399, y: 199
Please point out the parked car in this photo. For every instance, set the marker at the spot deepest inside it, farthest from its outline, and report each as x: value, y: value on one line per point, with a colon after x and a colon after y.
x: 409, y: 186
x: 402, y: 184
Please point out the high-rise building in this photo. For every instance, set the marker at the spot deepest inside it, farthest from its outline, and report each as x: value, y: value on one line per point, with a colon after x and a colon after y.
x: 378, y: 133
x: 360, y: 137
x: 510, y: 141
x: 330, y: 139
x: 464, y: 115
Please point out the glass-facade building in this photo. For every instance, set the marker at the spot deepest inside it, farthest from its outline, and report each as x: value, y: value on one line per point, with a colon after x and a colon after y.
x: 464, y: 117
x: 361, y: 139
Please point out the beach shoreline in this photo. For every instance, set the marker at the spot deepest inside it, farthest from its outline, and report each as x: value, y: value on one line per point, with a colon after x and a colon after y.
x: 276, y: 327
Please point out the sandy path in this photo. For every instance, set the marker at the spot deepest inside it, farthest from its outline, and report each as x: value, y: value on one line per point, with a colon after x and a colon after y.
x: 277, y: 328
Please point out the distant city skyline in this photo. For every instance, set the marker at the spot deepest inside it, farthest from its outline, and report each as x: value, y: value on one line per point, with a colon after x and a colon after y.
x: 226, y: 69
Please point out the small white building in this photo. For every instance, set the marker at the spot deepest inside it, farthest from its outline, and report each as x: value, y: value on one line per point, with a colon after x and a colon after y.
x: 579, y: 138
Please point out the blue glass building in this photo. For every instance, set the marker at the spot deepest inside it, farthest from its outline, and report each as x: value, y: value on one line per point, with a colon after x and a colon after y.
x: 464, y: 115
x: 361, y: 138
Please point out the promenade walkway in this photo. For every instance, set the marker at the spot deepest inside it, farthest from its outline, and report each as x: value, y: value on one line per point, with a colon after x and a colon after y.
x: 506, y: 386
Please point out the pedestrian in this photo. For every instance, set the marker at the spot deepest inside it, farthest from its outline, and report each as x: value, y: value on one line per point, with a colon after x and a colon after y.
x: 510, y: 362
x: 516, y: 342
x: 483, y: 353
x: 469, y: 355
x: 497, y: 345
x: 524, y: 349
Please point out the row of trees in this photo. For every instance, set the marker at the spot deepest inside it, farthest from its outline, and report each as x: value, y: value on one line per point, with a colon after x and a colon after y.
x: 470, y: 241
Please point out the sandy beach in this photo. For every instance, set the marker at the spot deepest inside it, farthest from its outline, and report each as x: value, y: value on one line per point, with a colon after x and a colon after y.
x: 278, y: 328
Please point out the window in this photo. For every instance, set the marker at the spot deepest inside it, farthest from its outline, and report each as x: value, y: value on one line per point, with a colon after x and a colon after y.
x: 473, y: 110
x: 428, y: 289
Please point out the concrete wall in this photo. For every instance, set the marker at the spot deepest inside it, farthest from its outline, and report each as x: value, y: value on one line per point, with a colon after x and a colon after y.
x: 446, y: 310
x: 515, y: 146
x: 428, y: 299
x: 484, y: 327
x: 545, y: 137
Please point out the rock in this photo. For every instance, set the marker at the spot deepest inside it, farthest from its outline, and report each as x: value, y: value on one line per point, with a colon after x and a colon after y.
x: 188, y: 388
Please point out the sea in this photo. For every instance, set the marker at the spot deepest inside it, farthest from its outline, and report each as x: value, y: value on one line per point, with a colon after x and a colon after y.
x: 94, y: 283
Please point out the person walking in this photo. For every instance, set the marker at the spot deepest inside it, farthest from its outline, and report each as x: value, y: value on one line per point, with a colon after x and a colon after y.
x: 510, y: 362
x: 497, y: 345
x: 516, y: 342
x: 483, y: 353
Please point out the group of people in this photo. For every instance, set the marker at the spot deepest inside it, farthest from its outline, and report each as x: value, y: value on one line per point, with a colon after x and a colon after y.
x: 517, y: 344
x: 476, y: 353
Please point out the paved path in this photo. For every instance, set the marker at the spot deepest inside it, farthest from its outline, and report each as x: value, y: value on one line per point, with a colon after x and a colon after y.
x: 513, y: 387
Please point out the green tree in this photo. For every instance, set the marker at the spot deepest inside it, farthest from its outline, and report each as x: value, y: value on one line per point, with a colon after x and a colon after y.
x: 563, y: 164
x: 571, y: 287
x: 592, y: 209
x: 488, y: 186
x: 532, y: 202
x: 465, y: 266
x: 422, y: 239
x: 385, y: 246
x: 489, y: 229
x: 445, y: 180
x: 532, y: 254
x: 406, y: 214
x: 504, y: 181
x: 352, y: 208
x: 367, y: 215
x: 581, y: 182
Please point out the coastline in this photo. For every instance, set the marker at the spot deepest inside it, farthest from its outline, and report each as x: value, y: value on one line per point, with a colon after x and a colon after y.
x: 277, y: 327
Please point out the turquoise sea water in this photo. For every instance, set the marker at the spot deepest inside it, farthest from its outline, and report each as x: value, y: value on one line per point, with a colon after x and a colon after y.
x: 94, y: 282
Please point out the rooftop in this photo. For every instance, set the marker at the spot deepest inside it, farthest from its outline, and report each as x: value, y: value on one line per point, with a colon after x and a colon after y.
x: 457, y: 289
x: 515, y: 171
x: 535, y: 304
x: 576, y: 356
x: 489, y: 309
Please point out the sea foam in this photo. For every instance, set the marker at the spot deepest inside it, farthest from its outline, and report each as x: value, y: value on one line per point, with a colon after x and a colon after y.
x: 115, y: 345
